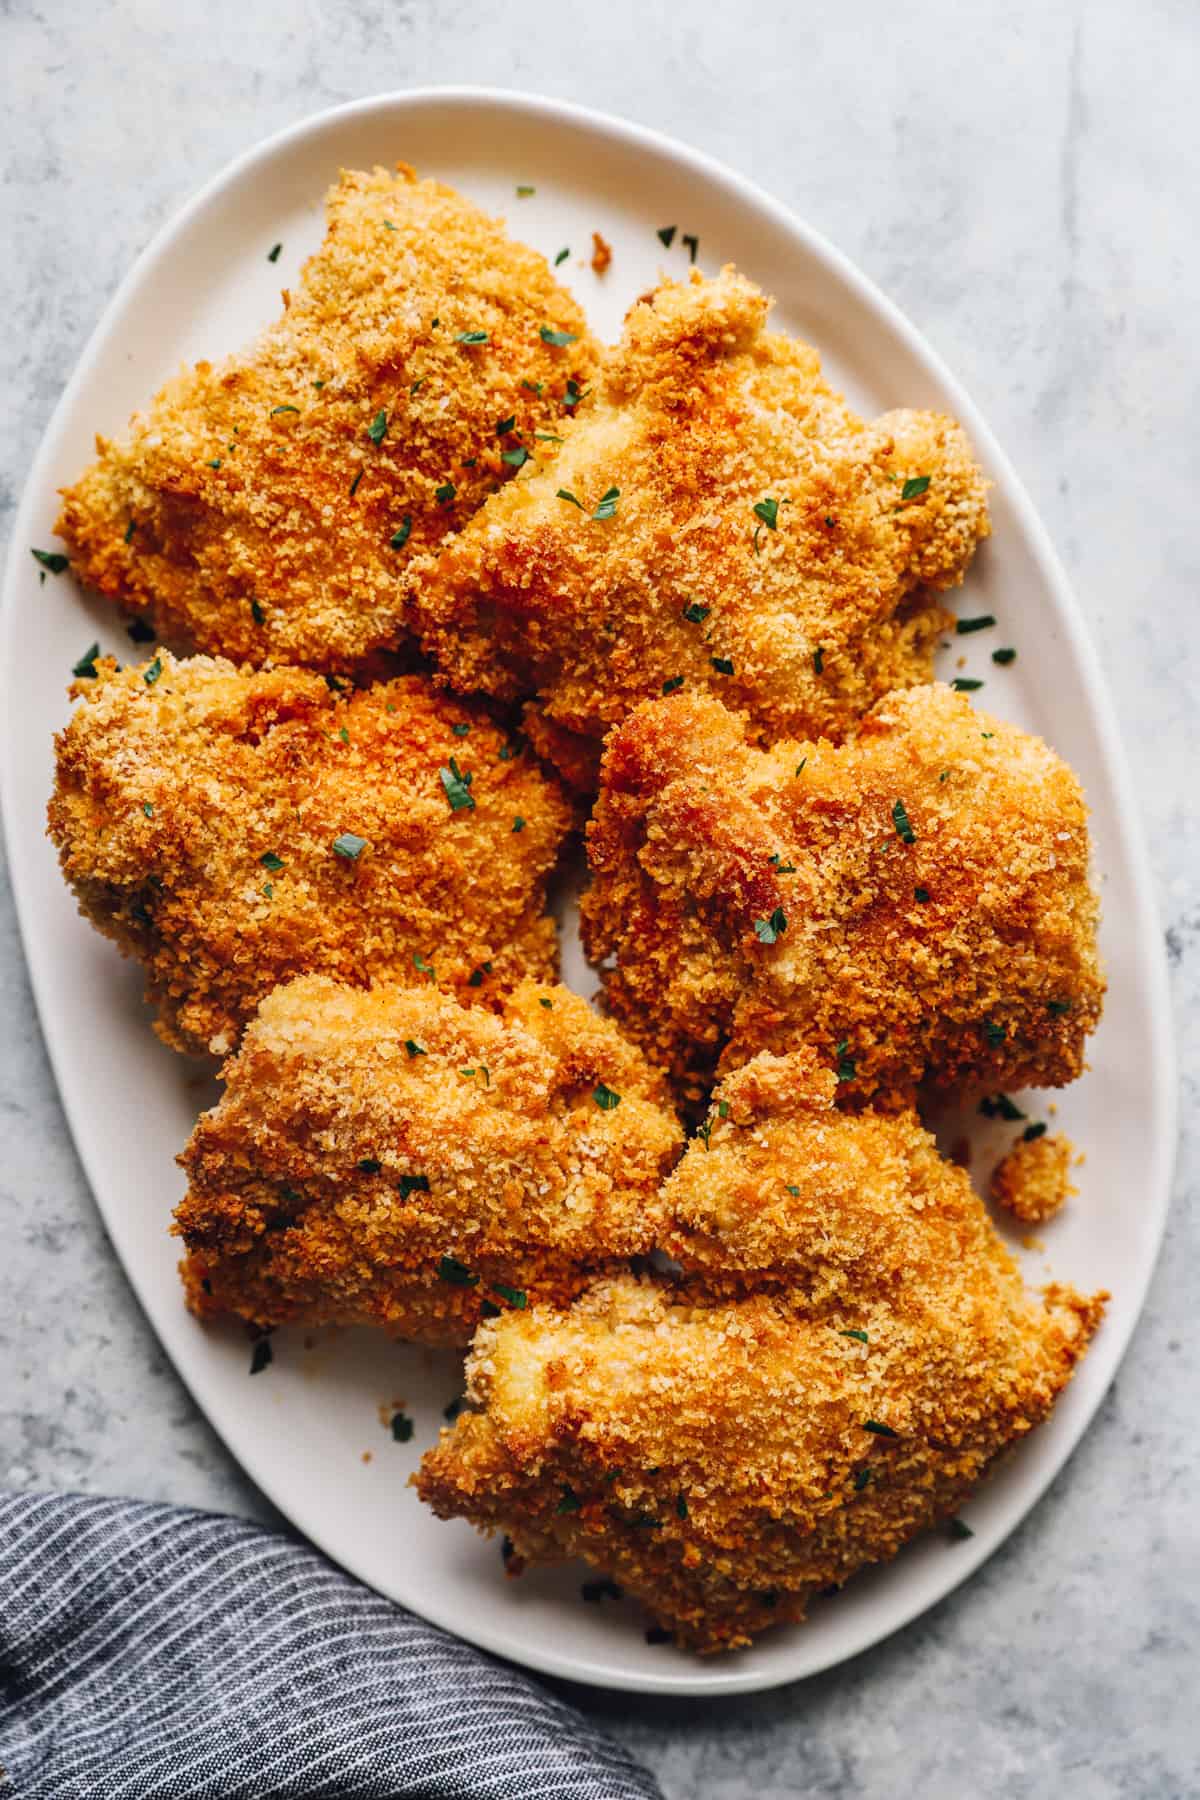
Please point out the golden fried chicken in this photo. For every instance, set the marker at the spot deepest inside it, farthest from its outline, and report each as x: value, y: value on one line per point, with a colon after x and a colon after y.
x: 723, y: 1456
x: 265, y: 507
x: 913, y: 904
x: 390, y: 1157
x: 716, y: 517
x: 233, y: 828
x: 1033, y: 1182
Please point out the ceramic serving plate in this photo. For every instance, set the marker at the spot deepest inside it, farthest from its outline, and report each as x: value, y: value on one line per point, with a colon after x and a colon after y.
x: 311, y: 1429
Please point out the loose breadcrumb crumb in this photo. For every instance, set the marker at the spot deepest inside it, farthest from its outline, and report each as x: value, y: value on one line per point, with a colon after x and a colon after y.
x: 1033, y: 1182
x: 601, y: 253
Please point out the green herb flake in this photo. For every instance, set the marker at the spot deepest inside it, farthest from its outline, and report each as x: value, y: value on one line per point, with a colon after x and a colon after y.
x: 666, y: 235
x: 518, y: 823
x: 548, y: 437
x: 958, y: 1530
x: 819, y: 660
x: 460, y: 730
x: 456, y: 1273
x: 693, y: 244
x: 469, y: 337
x: 862, y: 1480
x: 549, y: 336
x: 524, y: 191
x: 694, y: 613
x: 608, y: 504
x: 369, y: 1165
x: 569, y: 1501
x: 354, y: 487
x: 270, y: 861
x: 148, y: 808
x: 515, y: 458
x: 1004, y: 657
x: 681, y: 1506
x: 562, y: 255
x: 900, y: 820
x: 1032, y: 1132
x: 215, y: 463
x: 572, y: 394
x: 672, y: 684
x: 768, y: 931
x: 402, y: 1428
x: 412, y: 1184
x: 318, y: 385
x: 257, y: 613
x: 874, y: 1426
x: 262, y: 1356
x: 268, y: 890
x: 847, y: 1068
x: 921, y: 895
x: 284, y: 409
x: 995, y: 1034
x: 458, y: 788
x: 503, y: 426
x: 85, y: 668
x: 722, y: 664
x: 344, y: 734
x: 606, y: 1099
x: 140, y: 632
x: 400, y: 538
x: 792, y: 1189
x: 565, y: 494
x: 377, y: 429
x: 983, y: 623
x: 515, y: 1296
x: 999, y: 1106
x: 416, y: 387
x: 800, y: 765
x: 54, y: 560
x: 349, y: 845
x: 545, y: 1000
x: 860, y: 1337
x: 456, y: 1406
x: 768, y: 511
x: 445, y: 493
x: 1057, y: 1008
x: 273, y: 252
x: 534, y: 387
x: 129, y: 530
x: 962, y: 684
x: 914, y: 487
x: 151, y: 675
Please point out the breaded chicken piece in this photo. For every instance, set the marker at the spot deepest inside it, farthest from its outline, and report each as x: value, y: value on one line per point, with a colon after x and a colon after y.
x: 737, y: 527
x: 265, y: 507
x: 914, y: 904
x: 393, y: 1158
x: 1033, y: 1182
x: 723, y: 1458
x: 233, y: 828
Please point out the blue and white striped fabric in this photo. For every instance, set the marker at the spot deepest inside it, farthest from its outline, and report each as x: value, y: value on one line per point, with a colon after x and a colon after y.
x: 151, y: 1653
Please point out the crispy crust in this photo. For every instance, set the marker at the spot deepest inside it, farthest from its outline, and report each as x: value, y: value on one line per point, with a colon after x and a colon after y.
x: 700, y: 415
x: 699, y: 840
x: 1033, y: 1182
x: 710, y: 1450
x: 238, y: 765
x: 225, y: 514
x: 294, y: 1213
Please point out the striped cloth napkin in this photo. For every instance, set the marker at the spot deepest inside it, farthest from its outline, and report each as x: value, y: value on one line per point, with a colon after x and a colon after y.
x: 158, y: 1653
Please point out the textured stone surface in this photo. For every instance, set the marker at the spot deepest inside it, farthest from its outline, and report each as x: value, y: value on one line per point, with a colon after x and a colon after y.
x: 1021, y: 178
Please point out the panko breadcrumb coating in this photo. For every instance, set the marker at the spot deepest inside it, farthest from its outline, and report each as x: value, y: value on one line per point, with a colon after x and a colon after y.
x: 1033, y: 1182
x: 265, y: 507
x: 913, y: 904
x: 234, y: 828
x: 393, y: 1158
x: 722, y: 1458
x: 736, y: 527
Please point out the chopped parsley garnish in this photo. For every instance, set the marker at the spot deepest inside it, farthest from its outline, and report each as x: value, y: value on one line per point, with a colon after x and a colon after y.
x: 518, y: 823
x: 959, y: 1530
x: 859, y: 1336
x: 415, y: 1049
x: 515, y: 1296
x: 416, y: 387
x: 460, y: 730
x: 148, y: 808
x: 722, y: 664
x: 516, y: 458
x: 562, y: 255
x: 792, y: 1189
x: 456, y: 1406
x: 262, y: 1356
x: 548, y: 437
x: 354, y: 487
x: 800, y: 765
x: 456, y: 1273
x: 608, y: 504
x: 693, y: 244
x: 767, y: 931
x: 1034, y: 1131
x: 129, y: 530
x: 215, y: 463
x: 54, y: 560
x: 349, y: 845
x: 545, y: 1000
x: 549, y: 336
x: 402, y: 1427
x: 469, y: 1074
x: 445, y: 493
x: 270, y: 861
x: 344, y: 735
x: 819, y: 660
x: 768, y: 511
x: 873, y: 1425
x: 257, y: 613
x: 273, y: 253
x: 565, y: 494
x: 152, y: 674
x: 523, y: 192
x: 1058, y: 1007
x: 412, y: 1184
x: 283, y: 409
x: 470, y: 337
x: 85, y: 668
x: 995, y: 1034
x: 982, y: 623
x: 900, y: 820
x: 318, y: 385
x: 377, y: 429
x: 606, y: 1099
x: 369, y: 1165
x: 862, y: 1480
x: 922, y: 895
x: 666, y: 235
x: 268, y: 890
x: 681, y: 1506
x: 503, y: 426
x: 914, y: 487
x: 398, y: 540
x: 847, y: 1068
x: 569, y: 1501
x: 458, y: 788
x: 999, y: 1106
x: 1004, y: 657
x: 573, y: 394
x: 423, y: 968
x: 962, y: 684
x: 694, y: 613
x: 535, y: 387
x: 672, y: 684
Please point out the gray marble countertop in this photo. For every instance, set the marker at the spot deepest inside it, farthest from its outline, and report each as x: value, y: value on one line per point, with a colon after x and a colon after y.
x: 1022, y: 179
